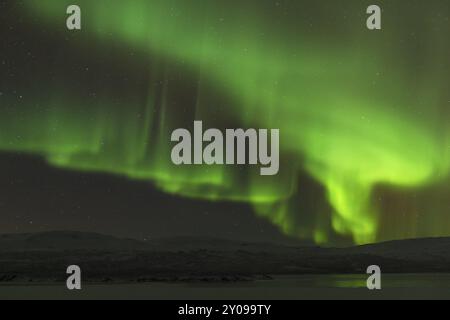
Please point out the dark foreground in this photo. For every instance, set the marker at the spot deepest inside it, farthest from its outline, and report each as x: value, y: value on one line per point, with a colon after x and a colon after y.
x: 400, y: 286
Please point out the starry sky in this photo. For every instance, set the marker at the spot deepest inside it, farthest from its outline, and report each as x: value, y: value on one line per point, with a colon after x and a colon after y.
x: 363, y: 118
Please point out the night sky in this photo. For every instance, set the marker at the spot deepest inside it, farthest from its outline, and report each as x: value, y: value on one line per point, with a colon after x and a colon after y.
x: 86, y: 118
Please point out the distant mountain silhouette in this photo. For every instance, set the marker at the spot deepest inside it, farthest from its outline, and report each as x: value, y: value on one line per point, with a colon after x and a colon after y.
x: 417, y: 249
x: 65, y: 240
x: 45, y: 257
x: 73, y: 240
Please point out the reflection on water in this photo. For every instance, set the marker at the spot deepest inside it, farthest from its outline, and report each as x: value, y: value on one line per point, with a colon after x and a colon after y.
x: 388, y: 281
x: 344, y: 281
x: 394, y: 286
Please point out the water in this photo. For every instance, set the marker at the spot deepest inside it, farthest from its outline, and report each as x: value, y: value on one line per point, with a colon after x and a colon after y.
x: 403, y: 286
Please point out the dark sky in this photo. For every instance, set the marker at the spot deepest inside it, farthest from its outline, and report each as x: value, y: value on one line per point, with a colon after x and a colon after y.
x: 60, y: 91
x: 35, y: 196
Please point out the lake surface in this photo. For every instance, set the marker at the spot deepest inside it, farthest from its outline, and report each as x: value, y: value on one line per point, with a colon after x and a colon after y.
x: 394, y: 286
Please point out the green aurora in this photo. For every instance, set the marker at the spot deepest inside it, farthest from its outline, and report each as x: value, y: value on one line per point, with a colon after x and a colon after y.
x: 356, y: 109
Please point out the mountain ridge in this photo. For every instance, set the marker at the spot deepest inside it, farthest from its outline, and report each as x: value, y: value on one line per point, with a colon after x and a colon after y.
x: 44, y: 257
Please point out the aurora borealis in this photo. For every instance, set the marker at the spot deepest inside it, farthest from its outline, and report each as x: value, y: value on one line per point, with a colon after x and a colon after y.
x: 363, y: 113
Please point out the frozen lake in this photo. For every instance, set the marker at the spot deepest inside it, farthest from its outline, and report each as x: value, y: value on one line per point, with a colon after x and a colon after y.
x: 395, y: 286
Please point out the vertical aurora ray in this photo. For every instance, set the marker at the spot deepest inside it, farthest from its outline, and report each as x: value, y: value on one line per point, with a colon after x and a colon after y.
x: 350, y: 114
